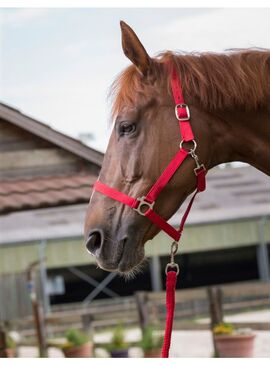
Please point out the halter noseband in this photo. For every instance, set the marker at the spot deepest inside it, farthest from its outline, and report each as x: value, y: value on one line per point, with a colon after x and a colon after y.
x: 144, y: 205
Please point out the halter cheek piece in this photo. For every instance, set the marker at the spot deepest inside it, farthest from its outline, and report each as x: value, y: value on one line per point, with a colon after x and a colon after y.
x: 144, y: 205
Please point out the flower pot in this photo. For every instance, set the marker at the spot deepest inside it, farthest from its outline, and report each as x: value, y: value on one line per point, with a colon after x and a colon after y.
x: 85, y: 350
x: 10, y: 352
x: 152, y: 353
x: 235, y: 345
x: 119, y: 353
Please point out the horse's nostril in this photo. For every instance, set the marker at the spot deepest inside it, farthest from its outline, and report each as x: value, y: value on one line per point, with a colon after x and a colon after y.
x: 94, y: 242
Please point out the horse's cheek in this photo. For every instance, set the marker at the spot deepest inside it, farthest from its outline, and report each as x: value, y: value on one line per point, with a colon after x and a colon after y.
x: 131, y: 165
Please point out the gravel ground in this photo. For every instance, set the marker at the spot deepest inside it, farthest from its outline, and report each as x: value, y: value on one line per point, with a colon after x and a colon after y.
x: 185, y: 343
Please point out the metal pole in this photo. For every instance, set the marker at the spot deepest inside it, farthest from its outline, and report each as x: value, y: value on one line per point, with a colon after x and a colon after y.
x: 155, y: 271
x: 43, y: 276
x: 262, y: 253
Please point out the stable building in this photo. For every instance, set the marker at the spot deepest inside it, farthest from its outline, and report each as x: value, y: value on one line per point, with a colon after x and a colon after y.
x: 45, y: 184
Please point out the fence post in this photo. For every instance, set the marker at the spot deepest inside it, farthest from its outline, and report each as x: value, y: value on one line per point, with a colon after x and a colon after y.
x: 215, y: 310
x: 87, y: 321
x: 38, y: 314
x: 141, y: 300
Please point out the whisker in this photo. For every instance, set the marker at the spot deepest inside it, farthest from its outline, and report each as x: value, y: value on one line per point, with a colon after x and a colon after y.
x: 137, y: 270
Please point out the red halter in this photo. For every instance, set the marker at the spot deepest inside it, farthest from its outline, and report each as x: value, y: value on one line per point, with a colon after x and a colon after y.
x: 144, y: 205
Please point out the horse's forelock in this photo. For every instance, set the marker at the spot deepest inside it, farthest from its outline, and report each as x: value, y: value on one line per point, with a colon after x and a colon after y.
x: 123, y: 89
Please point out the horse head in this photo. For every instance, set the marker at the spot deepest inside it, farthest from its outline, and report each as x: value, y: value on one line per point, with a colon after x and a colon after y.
x: 144, y: 138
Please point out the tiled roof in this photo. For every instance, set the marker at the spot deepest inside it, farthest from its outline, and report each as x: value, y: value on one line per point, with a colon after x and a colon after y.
x: 51, y: 191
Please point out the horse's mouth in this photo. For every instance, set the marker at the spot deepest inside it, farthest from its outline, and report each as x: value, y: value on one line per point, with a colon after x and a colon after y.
x: 125, y: 261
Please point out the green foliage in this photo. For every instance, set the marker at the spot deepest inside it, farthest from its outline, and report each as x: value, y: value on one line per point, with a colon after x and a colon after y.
x: 10, y: 343
x: 224, y: 329
x: 118, y: 339
x: 150, y: 341
x: 75, y: 338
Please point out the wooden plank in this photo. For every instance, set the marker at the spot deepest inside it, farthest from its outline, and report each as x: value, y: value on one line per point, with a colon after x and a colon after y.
x: 9, y: 133
x: 38, y: 171
x: 182, y: 295
x: 253, y: 303
x: 246, y: 290
x: 44, y: 131
x: 35, y: 158
x: 105, y: 303
x: 120, y: 309
x: 14, y: 299
x: 21, y: 145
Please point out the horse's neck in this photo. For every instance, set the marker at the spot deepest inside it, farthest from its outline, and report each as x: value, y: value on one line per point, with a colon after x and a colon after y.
x: 246, y: 138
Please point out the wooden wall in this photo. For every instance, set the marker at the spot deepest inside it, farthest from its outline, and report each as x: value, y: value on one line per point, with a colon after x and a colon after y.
x: 24, y: 155
x: 14, y: 298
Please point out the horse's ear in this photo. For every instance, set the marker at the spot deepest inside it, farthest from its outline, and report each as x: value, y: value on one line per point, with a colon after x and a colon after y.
x: 134, y: 50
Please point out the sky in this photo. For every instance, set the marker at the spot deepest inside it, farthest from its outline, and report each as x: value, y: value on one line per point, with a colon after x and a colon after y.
x: 57, y: 65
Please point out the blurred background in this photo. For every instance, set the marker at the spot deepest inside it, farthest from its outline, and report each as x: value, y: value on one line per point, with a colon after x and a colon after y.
x: 56, y: 67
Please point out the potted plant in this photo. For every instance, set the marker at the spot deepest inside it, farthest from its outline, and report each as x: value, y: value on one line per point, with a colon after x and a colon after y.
x: 10, y: 347
x: 118, y: 347
x: 151, y: 343
x: 231, y: 342
x: 77, y: 344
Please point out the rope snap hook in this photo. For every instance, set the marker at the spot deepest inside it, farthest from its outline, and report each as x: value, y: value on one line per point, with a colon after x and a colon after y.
x: 172, y: 265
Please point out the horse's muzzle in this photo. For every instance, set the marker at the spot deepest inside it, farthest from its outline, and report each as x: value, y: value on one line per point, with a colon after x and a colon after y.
x: 119, y: 254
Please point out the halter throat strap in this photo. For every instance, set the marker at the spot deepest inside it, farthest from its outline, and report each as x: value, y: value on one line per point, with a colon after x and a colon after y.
x: 145, y: 205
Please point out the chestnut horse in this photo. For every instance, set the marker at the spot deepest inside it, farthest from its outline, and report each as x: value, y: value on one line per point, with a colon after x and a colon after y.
x: 229, y: 98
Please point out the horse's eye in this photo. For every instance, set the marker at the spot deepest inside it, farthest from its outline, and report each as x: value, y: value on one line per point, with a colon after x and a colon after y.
x: 127, y: 128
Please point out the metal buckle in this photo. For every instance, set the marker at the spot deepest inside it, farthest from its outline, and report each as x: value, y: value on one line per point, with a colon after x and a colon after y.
x: 141, y: 207
x: 184, y: 119
x: 191, y: 150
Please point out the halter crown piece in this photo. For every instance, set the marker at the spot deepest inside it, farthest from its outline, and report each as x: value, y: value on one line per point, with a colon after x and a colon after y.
x: 144, y: 205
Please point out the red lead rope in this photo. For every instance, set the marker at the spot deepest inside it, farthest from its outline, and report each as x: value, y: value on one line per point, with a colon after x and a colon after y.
x: 170, y: 304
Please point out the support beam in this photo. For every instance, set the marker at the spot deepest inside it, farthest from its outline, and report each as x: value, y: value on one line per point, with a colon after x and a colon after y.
x: 102, y: 285
x: 43, y: 277
x: 155, y: 270
x: 92, y: 281
x: 262, y: 253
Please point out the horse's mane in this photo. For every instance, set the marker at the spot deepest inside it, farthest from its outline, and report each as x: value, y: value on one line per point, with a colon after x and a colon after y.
x: 233, y: 79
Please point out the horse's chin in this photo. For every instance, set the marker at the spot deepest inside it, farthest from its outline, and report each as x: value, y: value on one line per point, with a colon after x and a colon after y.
x: 128, y: 265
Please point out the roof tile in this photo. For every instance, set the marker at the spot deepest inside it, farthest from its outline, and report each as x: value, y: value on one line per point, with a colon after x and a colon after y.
x: 45, y: 192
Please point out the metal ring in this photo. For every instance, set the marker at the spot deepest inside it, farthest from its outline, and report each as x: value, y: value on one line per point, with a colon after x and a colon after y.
x: 172, y: 265
x: 191, y: 149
